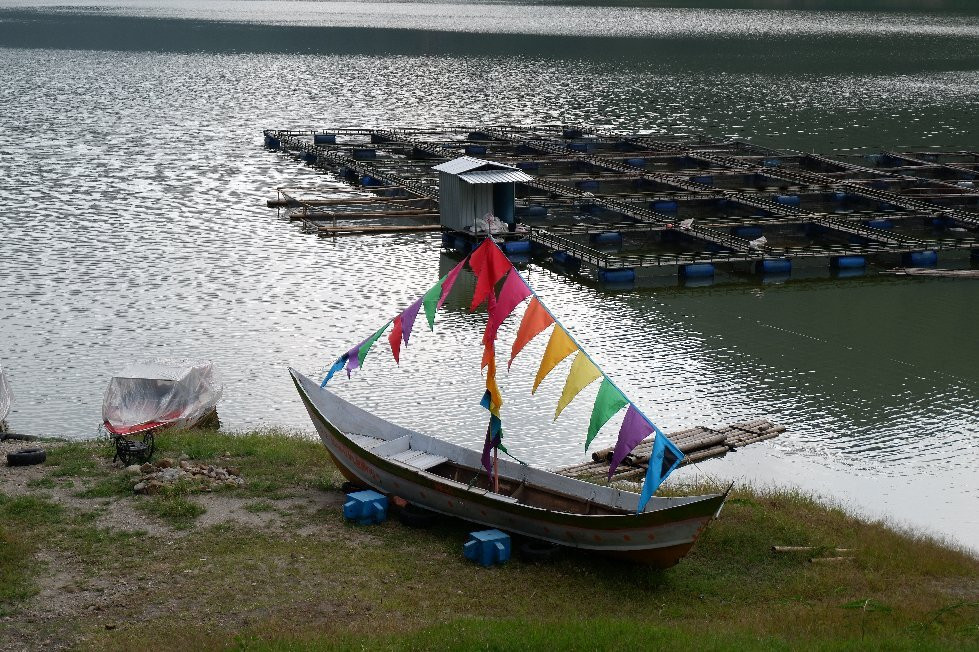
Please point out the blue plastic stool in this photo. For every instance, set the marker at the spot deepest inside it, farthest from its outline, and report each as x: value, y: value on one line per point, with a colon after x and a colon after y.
x: 366, y: 507
x: 487, y: 547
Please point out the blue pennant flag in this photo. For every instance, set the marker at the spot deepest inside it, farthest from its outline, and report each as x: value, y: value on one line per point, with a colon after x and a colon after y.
x: 664, y: 458
x: 337, y: 366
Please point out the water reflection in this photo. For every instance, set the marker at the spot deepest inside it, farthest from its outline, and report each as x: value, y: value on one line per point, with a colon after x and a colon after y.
x: 134, y: 225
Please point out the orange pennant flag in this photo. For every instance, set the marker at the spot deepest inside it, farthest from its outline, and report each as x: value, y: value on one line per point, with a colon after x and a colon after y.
x: 492, y: 389
x: 583, y: 373
x: 559, y: 347
x: 535, y: 320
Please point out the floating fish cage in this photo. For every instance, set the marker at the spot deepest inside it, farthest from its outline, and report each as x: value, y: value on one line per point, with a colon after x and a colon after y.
x: 619, y: 206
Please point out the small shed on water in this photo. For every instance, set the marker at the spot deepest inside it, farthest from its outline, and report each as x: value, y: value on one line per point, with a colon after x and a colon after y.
x: 469, y: 188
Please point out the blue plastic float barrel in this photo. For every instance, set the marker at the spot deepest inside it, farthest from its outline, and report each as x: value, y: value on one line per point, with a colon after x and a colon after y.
x: 572, y: 133
x: 636, y: 162
x: 697, y: 270
x: 840, y: 196
x: 706, y: 179
x: 475, y: 150
x: 664, y: 206
x: 617, y: 276
x: 517, y: 247
x: 324, y: 139
x: 368, y: 180
x: 528, y: 165
x: 787, y: 200
x: 478, y: 135
x: 534, y: 210
x: 747, y: 232
x: 364, y: 154
x: 588, y: 185
x: 771, y: 163
x: 780, y: 266
x: 881, y: 224
x: 272, y: 142
x: 567, y: 260
x: 885, y: 206
x: 848, y: 262
x: 920, y: 258
x: 607, y: 238
x: 309, y: 157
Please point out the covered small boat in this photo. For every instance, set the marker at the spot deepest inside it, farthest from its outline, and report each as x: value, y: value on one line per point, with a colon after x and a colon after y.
x: 483, y: 488
x: 450, y: 479
x: 6, y: 397
x: 148, y: 396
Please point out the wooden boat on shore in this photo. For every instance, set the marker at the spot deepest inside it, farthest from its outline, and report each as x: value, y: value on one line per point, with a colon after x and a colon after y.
x: 450, y: 479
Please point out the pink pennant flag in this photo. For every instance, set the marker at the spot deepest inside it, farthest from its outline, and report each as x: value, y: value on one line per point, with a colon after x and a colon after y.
x: 449, y: 281
x: 394, y: 337
x: 408, y: 318
x: 489, y: 264
x: 513, y: 292
x: 634, y: 429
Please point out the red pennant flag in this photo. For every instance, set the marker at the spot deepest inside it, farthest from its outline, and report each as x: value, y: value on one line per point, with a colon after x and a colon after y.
x: 394, y: 337
x: 489, y: 264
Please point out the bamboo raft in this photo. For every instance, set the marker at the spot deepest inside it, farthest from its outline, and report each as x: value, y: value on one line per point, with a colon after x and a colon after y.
x: 697, y: 444
x: 927, y: 271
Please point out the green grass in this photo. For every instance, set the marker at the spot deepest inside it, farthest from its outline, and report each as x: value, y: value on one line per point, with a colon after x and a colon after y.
x: 115, y: 485
x: 173, y: 508
x: 78, y: 459
x: 273, y: 463
x: 309, y: 580
x: 15, y: 578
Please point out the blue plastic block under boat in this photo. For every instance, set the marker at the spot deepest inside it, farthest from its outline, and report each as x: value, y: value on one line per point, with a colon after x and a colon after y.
x: 366, y: 507
x: 487, y: 547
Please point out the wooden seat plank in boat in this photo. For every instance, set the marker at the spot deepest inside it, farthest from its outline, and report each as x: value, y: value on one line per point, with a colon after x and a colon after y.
x: 418, y: 459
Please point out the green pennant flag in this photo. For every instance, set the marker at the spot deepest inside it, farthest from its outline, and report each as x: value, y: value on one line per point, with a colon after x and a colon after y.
x: 609, y: 401
x: 366, y: 346
x: 431, y: 300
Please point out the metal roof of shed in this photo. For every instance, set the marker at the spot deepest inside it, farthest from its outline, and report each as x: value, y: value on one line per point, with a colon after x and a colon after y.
x: 495, y: 176
x: 474, y: 170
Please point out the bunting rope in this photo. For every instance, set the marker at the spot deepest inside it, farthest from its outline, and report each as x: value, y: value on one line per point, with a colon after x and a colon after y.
x: 490, y: 265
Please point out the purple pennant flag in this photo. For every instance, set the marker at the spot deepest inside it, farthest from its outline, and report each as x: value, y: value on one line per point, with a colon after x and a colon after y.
x: 408, y: 318
x: 634, y: 429
x: 353, y: 358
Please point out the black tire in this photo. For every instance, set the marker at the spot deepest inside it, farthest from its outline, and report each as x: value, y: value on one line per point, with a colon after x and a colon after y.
x: 26, y: 457
x: 535, y: 550
x: 351, y: 487
x: 415, y: 516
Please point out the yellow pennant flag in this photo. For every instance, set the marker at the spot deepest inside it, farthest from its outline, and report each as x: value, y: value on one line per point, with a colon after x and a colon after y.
x: 559, y: 347
x: 583, y: 372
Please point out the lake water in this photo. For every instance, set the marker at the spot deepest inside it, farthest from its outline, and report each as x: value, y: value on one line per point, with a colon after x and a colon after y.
x: 134, y: 225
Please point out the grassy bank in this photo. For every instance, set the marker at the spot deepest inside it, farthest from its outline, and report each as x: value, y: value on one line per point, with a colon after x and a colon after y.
x: 86, y: 563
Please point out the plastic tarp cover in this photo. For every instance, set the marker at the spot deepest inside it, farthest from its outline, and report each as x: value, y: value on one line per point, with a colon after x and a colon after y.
x: 161, y: 391
x: 6, y: 396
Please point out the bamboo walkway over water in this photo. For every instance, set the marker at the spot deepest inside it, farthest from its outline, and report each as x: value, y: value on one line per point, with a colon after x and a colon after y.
x: 697, y: 444
x: 622, y: 201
